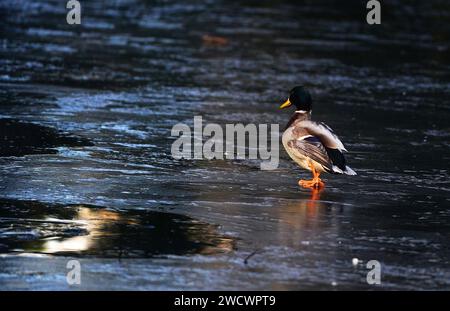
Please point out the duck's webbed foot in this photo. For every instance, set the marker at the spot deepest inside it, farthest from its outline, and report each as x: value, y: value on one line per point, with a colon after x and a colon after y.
x: 315, y: 183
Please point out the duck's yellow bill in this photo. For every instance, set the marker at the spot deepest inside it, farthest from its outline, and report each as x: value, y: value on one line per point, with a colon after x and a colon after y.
x: 286, y: 104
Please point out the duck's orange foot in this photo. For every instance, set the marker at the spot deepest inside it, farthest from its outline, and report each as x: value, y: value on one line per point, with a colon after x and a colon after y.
x: 315, y: 183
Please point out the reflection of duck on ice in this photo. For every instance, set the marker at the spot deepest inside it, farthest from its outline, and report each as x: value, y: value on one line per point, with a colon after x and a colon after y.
x: 305, y: 221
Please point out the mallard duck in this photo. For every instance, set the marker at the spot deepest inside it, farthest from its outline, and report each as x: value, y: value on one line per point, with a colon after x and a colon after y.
x: 312, y: 145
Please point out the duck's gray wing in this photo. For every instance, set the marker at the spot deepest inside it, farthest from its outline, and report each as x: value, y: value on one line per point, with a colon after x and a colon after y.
x: 313, y: 148
x: 324, y: 133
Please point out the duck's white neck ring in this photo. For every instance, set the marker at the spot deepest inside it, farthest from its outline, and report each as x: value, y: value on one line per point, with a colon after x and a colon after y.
x: 301, y: 111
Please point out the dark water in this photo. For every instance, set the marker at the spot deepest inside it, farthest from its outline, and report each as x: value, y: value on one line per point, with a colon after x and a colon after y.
x: 86, y: 170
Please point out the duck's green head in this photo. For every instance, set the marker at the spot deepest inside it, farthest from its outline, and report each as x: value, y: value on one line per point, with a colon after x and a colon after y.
x: 300, y: 98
